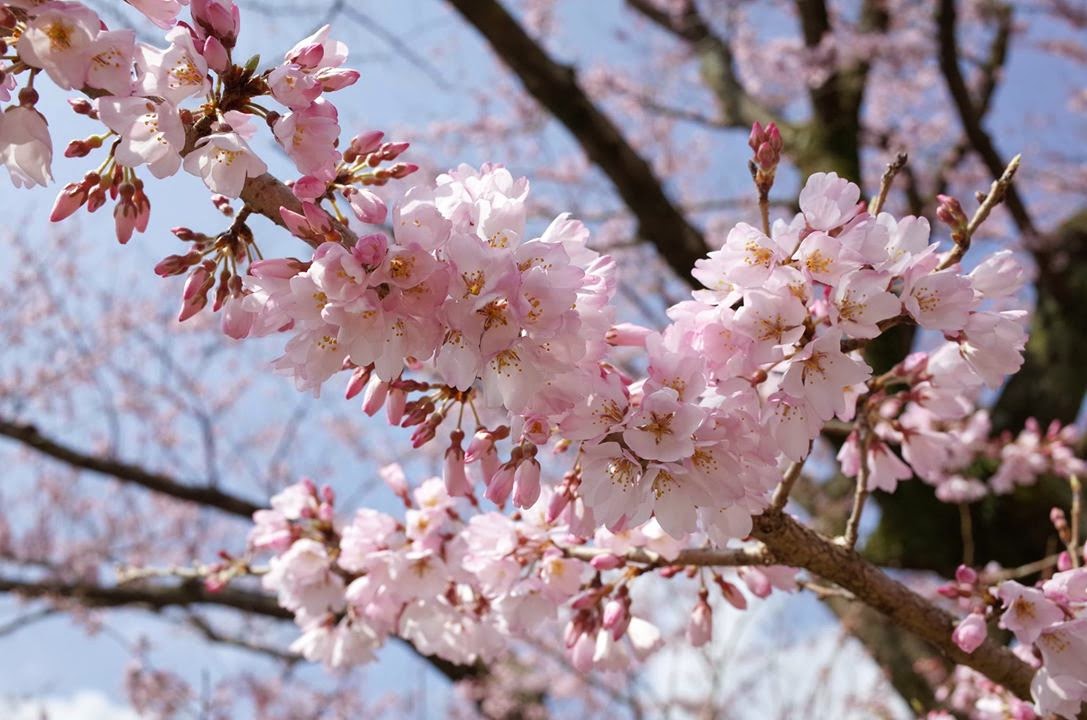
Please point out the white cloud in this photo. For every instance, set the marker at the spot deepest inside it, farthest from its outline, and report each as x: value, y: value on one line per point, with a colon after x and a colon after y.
x: 82, y: 705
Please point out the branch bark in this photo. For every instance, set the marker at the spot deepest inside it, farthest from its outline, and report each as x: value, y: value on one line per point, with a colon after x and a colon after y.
x: 738, y: 108
x: 29, y: 436
x: 556, y: 87
x: 157, y: 598
x: 796, y: 545
x: 970, y: 112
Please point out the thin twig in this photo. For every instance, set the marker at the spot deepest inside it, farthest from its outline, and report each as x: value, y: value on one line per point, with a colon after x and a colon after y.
x: 1074, y: 548
x: 1022, y: 571
x: 997, y: 191
x: 781, y: 494
x: 853, y: 524
x: 966, y: 529
x: 893, y: 168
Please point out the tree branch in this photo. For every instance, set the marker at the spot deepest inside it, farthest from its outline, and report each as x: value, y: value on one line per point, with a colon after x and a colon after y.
x: 738, y: 108
x: 556, y: 88
x: 207, y: 496
x: 795, y: 545
x: 157, y: 598
x: 970, y: 113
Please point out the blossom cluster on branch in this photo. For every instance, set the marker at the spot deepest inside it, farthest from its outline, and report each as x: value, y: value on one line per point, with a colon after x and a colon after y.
x: 494, y: 342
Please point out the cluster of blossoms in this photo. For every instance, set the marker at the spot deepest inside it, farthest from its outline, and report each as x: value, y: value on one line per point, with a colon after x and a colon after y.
x: 461, y: 314
x: 138, y: 92
x: 521, y: 329
x: 458, y: 584
x: 1049, y: 621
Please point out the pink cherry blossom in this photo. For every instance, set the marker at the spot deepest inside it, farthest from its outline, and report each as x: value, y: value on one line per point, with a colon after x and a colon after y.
x: 970, y: 633
x: 861, y: 301
x: 224, y: 161
x: 151, y: 133
x: 59, y: 40
x: 828, y: 201
x: 25, y: 146
x: 176, y: 73
x: 1028, y: 611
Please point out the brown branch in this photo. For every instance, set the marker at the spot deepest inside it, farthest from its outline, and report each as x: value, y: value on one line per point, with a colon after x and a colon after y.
x: 264, y: 194
x: 157, y: 598
x: 705, y: 557
x: 556, y: 88
x: 795, y: 545
x: 207, y: 496
x: 738, y: 107
x: 970, y: 112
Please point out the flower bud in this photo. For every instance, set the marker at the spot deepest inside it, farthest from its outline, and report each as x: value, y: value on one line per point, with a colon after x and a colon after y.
x: 700, y: 624
x: 375, y: 397
x: 966, y: 575
x: 607, y: 561
x: 970, y: 633
x: 731, y: 593
x: 500, y: 485
x: 527, y: 478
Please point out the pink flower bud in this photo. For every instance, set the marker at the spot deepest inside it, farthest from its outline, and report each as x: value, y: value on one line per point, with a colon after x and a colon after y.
x: 371, y: 249
x: 731, y: 593
x: 1064, y: 561
x: 488, y: 463
x: 755, y: 137
x: 366, y: 143
x: 392, y: 150
x: 500, y: 485
x: 375, y: 397
x: 527, y: 478
x: 627, y: 335
x: 219, y: 17
x: 358, y: 381
x: 757, y: 582
x: 454, y: 475
x: 308, y: 188
x: 607, y: 561
x: 615, y: 615
x: 333, y: 79
x: 700, y: 625
x: 394, y: 407
x: 558, y: 503
x: 481, y: 443
x: 581, y: 655
x: 70, y: 199
x: 949, y: 211
x: 367, y: 206
x: 237, y: 322
x: 970, y: 633
x: 215, y: 54
x: 966, y: 575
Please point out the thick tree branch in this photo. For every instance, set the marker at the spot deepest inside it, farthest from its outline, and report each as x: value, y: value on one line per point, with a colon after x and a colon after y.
x: 555, y: 87
x: 796, y: 545
x: 970, y: 113
x: 29, y: 436
x: 717, y: 66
